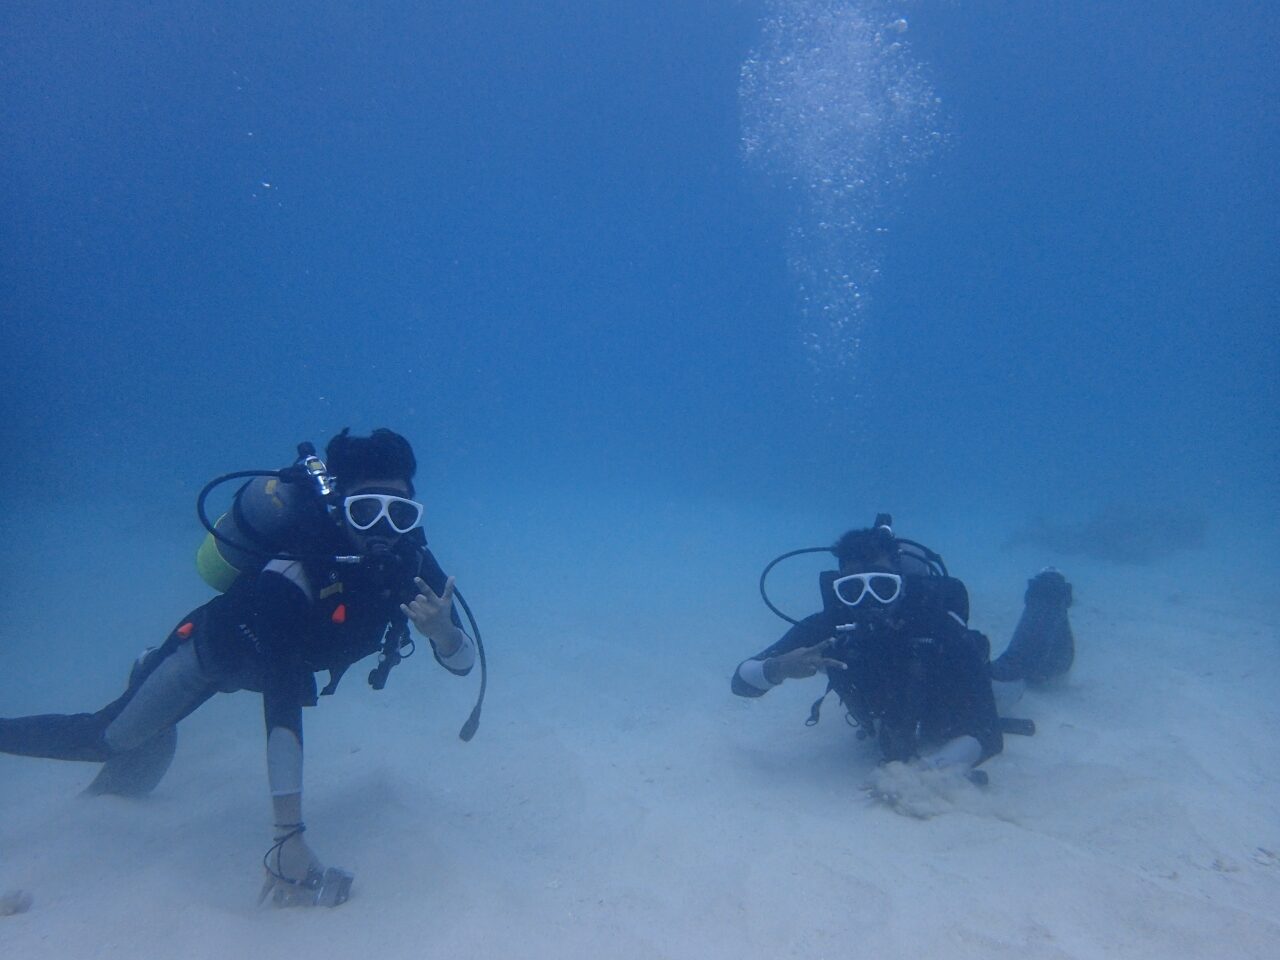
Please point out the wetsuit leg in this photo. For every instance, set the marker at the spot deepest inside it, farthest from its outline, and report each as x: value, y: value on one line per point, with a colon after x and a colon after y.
x: 169, y: 683
x: 165, y: 687
x: 169, y: 693
x: 140, y: 756
x: 56, y: 736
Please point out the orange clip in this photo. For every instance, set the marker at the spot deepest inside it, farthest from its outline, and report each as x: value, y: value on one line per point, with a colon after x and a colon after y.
x: 339, y: 613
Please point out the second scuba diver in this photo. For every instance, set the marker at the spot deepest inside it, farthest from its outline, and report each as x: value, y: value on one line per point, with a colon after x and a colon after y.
x: 314, y: 579
x: 894, y: 641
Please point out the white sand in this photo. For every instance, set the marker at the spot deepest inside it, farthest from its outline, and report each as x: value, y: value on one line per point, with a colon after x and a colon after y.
x: 619, y: 802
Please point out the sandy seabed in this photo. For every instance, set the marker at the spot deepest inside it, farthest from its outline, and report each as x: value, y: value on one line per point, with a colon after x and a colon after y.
x: 619, y: 802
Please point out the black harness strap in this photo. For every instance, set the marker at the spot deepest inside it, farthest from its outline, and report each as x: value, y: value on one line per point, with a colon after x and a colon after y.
x: 396, y: 640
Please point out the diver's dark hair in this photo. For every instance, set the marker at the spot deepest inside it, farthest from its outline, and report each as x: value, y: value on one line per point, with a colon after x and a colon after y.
x: 383, y: 455
x: 865, y: 545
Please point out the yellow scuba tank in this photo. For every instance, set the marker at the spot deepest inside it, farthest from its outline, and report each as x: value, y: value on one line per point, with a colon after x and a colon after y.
x: 271, y: 513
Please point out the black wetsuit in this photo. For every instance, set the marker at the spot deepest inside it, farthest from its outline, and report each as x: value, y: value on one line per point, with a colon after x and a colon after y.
x: 915, y: 681
x: 270, y: 632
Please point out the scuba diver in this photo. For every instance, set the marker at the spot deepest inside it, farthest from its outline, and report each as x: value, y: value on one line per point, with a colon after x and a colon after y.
x: 317, y: 570
x: 894, y: 641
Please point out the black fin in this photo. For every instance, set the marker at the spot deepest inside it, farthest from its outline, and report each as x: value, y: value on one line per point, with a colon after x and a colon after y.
x: 137, y: 772
x: 1043, y: 646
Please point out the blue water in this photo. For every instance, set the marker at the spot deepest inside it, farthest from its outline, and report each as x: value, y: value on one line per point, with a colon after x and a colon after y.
x: 527, y: 236
x: 658, y: 290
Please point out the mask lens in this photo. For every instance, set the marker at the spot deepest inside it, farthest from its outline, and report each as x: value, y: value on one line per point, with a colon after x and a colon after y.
x: 404, y: 514
x: 884, y: 588
x: 850, y: 590
x: 363, y: 511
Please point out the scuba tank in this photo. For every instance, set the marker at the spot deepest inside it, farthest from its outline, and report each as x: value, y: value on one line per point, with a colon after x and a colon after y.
x: 269, y: 508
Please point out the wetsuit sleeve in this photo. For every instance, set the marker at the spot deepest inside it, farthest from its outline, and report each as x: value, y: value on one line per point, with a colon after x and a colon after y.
x: 280, y: 614
x: 463, y: 659
x: 749, y: 679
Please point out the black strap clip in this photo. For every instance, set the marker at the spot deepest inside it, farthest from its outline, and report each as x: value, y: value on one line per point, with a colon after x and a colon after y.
x: 397, y: 645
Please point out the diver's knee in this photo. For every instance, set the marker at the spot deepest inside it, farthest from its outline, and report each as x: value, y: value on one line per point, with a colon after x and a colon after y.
x: 120, y: 738
x: 172, y: 687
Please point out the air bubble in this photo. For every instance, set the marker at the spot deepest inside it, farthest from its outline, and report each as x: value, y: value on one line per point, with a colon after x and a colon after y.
x: 835, y: 108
